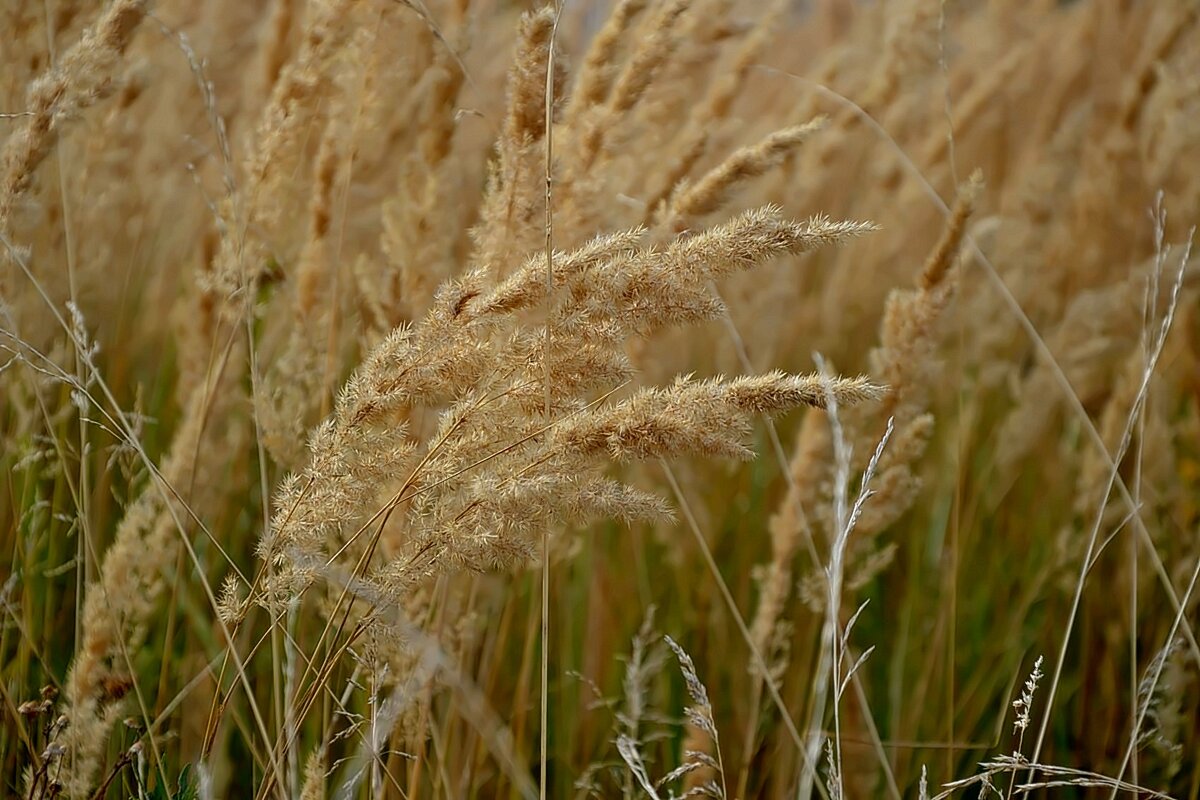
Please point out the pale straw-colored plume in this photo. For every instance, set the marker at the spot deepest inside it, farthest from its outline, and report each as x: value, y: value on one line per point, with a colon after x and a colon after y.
x: 514, y: 202
x: 491, y: 474
x: 694, y: 139
x: 276, y: 169
x: 655, y: 45
x: 597, y: 71
x: 907, y: 363
x: 84, y: 75
x: 292, y: 387
x: 132, y: 580
x: 275, y: 46
x: 421, y: 232
x: 712, y: 191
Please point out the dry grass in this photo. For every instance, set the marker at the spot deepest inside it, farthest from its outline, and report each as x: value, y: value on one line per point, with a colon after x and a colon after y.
x: 324, y: 325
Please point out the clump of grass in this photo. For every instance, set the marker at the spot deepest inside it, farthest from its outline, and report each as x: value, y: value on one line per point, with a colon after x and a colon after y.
x: 277, y: 312
x: 492, y: 470
x: 701, y: 771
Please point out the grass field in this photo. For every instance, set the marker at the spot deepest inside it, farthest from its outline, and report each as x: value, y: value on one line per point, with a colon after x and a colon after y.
x: 664, y: 398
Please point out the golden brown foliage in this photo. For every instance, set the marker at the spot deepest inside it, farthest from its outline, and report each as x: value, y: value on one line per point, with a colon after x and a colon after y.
x: 277, y: 309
